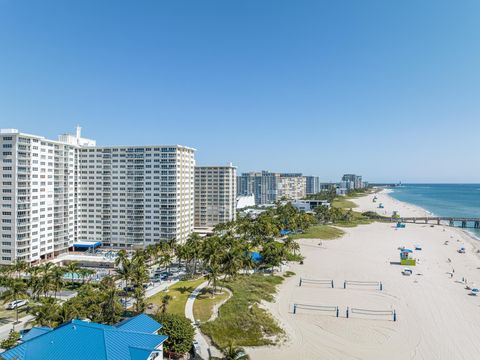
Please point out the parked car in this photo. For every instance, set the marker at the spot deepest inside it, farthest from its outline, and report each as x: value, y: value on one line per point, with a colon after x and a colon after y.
x: 16, y: 304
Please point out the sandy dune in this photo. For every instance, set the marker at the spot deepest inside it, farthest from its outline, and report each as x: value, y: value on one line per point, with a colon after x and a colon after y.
x: 437, y: 318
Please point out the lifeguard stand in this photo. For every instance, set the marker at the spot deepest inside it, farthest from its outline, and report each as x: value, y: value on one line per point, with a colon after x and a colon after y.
x: 406, y: 259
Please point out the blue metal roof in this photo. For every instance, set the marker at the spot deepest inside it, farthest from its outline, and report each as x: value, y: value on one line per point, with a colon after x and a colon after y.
x: 140, y: 323
x: 83, y: 340
x: 34, y: 332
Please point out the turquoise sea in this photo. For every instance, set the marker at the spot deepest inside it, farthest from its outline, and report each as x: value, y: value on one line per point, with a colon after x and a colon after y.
x: 443, y: 199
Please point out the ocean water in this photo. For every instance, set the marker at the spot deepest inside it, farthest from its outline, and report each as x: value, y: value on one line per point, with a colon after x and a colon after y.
x: 455, y: 200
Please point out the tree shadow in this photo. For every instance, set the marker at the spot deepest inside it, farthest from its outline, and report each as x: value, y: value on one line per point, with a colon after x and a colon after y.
x: 185, y: 289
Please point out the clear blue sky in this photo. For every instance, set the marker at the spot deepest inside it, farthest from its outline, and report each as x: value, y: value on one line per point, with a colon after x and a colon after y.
x: 389, y: 89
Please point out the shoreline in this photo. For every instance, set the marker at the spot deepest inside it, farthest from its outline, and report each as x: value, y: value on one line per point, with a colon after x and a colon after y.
x: 429, y: 301
x: 466, y: 235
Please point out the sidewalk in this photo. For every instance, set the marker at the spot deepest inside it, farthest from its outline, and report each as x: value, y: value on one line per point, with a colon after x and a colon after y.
x: 205, y: 349
x: 5, y: 329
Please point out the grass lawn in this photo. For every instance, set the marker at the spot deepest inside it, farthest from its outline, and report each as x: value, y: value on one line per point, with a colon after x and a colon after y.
x: 203, y: 305
x: 179, y: 293
x: 343, y: 203
x: 241, y: 319
x: 357, y: 219
x: 324, y: 232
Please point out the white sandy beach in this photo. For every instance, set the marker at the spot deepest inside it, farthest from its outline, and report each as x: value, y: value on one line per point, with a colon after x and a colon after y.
x: 436, y: 316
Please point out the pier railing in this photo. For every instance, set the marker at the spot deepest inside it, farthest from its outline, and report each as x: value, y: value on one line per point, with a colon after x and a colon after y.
x: 463, y: 222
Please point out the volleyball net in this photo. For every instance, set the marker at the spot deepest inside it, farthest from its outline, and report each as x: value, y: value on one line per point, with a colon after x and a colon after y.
x: 373, y: 284
x: 333, y: 310
x: 369, y: 312
x: 304, y: 281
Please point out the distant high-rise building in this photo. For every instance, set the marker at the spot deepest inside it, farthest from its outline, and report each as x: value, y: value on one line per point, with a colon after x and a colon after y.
x: 291, y: 186
x: 215, y: 195
x: 55, y: 193
x: 268, y: 187
x: 312, y: 185
x: 352, y: 182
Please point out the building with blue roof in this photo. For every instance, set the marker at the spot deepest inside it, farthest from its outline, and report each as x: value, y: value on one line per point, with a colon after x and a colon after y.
x: 142, y: 321
x: 132, y: 339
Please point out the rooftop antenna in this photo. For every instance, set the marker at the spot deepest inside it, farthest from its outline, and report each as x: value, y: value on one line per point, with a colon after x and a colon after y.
x: 78, y: 131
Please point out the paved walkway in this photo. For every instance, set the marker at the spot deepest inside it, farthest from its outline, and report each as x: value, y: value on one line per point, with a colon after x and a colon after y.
x: 206, y: 350
x: 5, y: 329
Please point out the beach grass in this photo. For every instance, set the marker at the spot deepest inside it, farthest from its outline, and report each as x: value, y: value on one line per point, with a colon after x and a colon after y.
x: 342, y: 203
x: 179, y: 293
x: 323, y: 232
x: 241, y: 319
x: 204, y: 303
x: 357, y: 219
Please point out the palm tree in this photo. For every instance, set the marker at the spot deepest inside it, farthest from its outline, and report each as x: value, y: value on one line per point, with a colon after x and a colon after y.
x: 72, y: 269
x: 165, y: 301
x: 16, y: 290
x: 291, y: 245
x: 124, y: 272
x: 231, y: 262
x: 110, y: 305
x: 84, y: 273
x: 166, y: 261
x: 234, y: 353
x: 19, y: 267
x: 34, y: 282
x: 57, y: 279
x: 213, y: 276
x: 122, y: 257
x: 139, y: 296
x: 67, y: 312
x: 45, y: 312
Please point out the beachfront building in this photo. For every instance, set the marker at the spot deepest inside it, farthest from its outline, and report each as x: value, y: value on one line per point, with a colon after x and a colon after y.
x: 269, y: 187
x: 352, y: 182
x: 135, y: 338
x: 263, y: 185
x: 291, y: 186
x: 215, y: 195
x: 133, y: 196
x: 55, y: 193
x: 312, y: 185
x: 309, y: 205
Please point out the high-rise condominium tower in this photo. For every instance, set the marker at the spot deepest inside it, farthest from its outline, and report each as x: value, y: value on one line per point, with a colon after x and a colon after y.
x: 54, y: 193
x: 215, y: 195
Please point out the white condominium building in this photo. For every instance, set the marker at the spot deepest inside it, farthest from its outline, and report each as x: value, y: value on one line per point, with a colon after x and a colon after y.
x: 291, y: 186
x: 54, y: 193
x: 215, y: 195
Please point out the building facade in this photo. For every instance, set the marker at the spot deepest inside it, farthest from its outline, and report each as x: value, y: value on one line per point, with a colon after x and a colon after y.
x: 291, y: 186
x: 215, y: 195
x: 57, y: 192
x: 268, y: 187
x: 352, y: 181
x: 312, y: 185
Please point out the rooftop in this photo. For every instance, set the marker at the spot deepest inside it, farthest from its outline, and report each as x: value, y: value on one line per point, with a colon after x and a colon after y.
x: 132, y: 339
